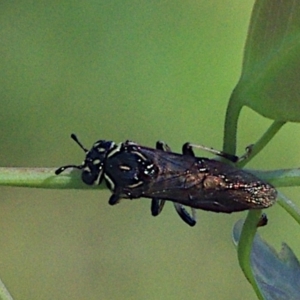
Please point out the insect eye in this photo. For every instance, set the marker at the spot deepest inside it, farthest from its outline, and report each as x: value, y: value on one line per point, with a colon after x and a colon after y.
x: 88, y: 177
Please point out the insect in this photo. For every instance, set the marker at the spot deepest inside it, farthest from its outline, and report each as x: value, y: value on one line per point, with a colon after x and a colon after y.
x: 133, y: 171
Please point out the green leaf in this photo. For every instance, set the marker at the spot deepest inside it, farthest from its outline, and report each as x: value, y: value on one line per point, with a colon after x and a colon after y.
x: 277, y: 274
x: 4, y: 293
x: 270, y: 80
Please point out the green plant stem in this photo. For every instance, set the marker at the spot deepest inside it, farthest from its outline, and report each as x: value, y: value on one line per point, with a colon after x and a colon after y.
x: 289, y: 206
x: 245, y: 247
x: 279, y: 178
x: 262, y: 142
x: 231, y: 120
x: 71, y: 179
x: 229, y: 146
x: 4, y: 293
x: 43, y: 178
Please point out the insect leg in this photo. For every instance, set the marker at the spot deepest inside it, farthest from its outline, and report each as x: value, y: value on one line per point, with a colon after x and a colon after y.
x: 184, y: 215
x: 114, y: 199
x: 248, y: 151
x: 187, y: 149
x: 263, y: 221
x: 157, y: 204
x: 162, y: 146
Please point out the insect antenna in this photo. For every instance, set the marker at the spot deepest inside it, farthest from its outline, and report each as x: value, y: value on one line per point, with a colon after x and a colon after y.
x: 63, y: 168
x: 75, y: 138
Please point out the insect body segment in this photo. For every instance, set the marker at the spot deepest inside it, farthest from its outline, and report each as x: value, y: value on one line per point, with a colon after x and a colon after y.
x: 133, y: 171
x: 158, y: 204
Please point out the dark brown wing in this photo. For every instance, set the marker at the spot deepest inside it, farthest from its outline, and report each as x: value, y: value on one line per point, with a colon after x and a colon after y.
x: 208, y: 184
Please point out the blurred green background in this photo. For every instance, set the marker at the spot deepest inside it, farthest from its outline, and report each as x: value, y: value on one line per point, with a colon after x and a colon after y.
x: 139, y: 70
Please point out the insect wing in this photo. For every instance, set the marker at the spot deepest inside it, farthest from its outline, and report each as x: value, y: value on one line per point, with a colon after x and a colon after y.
x: 205, y: 183
x: 229, y: 189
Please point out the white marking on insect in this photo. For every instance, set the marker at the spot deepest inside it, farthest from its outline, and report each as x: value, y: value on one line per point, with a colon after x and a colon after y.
x: 124, y: 168
x: 110, y: 182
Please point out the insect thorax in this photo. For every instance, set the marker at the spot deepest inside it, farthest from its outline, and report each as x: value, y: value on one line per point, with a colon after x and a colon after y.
x: 128, y: 168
